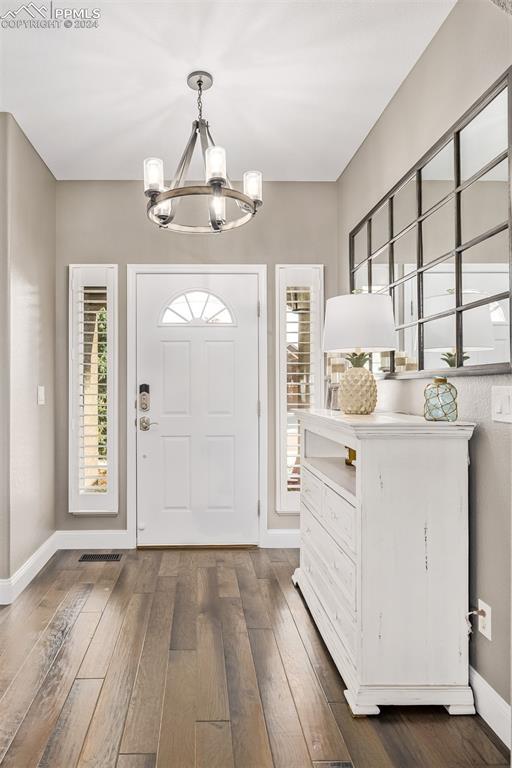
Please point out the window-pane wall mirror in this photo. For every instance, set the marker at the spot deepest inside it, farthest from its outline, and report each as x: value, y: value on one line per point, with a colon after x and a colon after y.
x: 440, y: 244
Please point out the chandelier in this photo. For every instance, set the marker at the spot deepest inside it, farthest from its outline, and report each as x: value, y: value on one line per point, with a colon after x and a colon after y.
x: 225, y: 207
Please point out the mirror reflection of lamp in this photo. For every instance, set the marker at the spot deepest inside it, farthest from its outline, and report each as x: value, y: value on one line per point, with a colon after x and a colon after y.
x: 478, y: 333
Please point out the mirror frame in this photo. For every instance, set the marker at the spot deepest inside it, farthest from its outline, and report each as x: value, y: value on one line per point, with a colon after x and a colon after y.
x: 452, y: 134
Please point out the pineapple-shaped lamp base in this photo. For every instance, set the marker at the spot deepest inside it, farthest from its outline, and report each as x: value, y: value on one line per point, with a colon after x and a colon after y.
x: 358, y: 388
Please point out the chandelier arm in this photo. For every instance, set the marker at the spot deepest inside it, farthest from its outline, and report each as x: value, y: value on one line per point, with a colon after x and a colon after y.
x: 184, y: 163
x: 180, y: 174
x: 203, y: 135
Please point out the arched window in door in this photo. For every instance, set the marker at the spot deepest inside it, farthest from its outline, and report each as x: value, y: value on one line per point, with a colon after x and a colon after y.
x: 197, y: 308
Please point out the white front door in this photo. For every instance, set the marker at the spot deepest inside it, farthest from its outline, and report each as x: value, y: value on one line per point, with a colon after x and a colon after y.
x: 197, y: 464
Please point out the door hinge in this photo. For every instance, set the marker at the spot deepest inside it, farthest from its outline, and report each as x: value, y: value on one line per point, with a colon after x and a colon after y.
x: 258, y: 408
x: 258, y: 308
x: 259, y: 507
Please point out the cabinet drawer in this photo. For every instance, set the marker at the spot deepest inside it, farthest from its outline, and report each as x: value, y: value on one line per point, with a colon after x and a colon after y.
x: 339, y: 570
x: 340, y: 618
x: 339, y: 517
x: 311, y: 491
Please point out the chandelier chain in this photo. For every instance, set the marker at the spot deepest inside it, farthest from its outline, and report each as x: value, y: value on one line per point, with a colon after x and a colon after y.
x: 199, y: 99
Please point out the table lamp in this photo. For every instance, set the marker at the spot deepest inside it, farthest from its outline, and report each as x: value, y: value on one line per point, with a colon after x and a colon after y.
x: 357, y: 324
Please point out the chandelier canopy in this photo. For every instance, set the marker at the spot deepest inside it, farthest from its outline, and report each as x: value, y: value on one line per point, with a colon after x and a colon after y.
x: 226, y: 207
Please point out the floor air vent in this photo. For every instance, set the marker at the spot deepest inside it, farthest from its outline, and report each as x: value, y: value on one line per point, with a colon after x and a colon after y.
x: 95, y: 557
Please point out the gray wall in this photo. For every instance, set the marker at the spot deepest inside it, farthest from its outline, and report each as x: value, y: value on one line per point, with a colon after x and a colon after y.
x: 28, y: 265
x: 471, y: 50
x: 106, y: 222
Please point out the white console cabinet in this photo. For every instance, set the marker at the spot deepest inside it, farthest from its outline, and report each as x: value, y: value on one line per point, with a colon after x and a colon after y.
x: 384, y: 555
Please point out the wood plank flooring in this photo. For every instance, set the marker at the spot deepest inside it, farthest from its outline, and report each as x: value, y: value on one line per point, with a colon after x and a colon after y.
x: 195, y: 659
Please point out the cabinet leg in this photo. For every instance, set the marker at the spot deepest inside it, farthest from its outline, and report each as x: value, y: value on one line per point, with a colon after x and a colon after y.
x: 460, y: 709
x: 360, y: 710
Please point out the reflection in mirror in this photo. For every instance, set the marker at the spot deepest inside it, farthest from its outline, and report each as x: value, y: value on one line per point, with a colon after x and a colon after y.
x: 439, y: 343
x: 484, y: 137
x: 405, y: 254
x: 360, y: 245
x: 405, y: 301
x: 380, y: 227
x: 404, y: 206
x: 484, y: 204
x: 442, y: 301
x: 406, y: 355
x: 381, y: 362
x: 380, y: 271
x: 439, y: 281
x: 486, y: 334
x: 361, y: 279
x: 437, y: 177
x: 485, y: 268
x: 438, y: 232
x: 477, y: 334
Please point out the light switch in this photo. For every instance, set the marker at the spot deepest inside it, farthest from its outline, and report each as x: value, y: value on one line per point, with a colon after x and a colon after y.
x: 41, y: 396
x: 501, y: 398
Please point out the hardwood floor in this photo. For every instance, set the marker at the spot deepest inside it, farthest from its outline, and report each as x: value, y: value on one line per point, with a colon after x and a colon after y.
x: 195, y: 659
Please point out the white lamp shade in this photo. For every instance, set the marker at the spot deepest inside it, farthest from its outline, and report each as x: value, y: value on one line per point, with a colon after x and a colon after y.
x: 215, y: 164
x: 359, y: 322
x: 253, y: 182
x: 153, y: 174
x: 477, y: 325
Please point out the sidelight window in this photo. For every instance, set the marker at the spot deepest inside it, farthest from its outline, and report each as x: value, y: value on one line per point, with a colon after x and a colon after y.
x: 92, y: 390
x: 299, y: 374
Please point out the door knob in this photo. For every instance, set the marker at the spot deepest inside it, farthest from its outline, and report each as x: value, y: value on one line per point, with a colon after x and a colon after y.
x: 145, y: 424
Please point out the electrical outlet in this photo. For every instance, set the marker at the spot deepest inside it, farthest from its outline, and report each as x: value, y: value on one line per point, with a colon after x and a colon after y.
x: 485, y: 622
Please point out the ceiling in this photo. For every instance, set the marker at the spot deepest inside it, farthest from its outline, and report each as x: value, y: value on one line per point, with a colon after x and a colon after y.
x: 297, y: 86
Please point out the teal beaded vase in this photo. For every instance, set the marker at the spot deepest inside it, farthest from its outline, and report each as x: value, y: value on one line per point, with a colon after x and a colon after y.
x: 440, y: 400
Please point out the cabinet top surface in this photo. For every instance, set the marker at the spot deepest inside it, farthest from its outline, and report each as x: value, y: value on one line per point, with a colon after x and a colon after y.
x: 384, y: 422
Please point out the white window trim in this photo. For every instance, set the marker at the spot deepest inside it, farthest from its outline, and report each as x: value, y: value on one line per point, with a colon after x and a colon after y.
x: 97, y: 503
x: 312, y: 275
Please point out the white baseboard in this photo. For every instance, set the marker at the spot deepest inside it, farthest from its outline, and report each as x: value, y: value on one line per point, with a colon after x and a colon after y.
x: 280, y: 537
x: 95, y: 540
x: 491, y: 707
x: 12, y: 587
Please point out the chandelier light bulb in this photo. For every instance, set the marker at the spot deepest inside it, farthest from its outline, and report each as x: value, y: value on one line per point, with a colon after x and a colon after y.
x: 253, y: 185
x: 219, y: 208
x: 164, y: 210
x: 153, y: 175
x: 215, y: 165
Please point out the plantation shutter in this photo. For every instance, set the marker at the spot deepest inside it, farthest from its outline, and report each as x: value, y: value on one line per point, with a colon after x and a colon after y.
x: 93, y: 478
x: 299, y: 375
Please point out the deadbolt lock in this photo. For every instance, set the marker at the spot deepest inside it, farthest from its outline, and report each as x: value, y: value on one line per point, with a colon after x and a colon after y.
x: 144, y: 401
